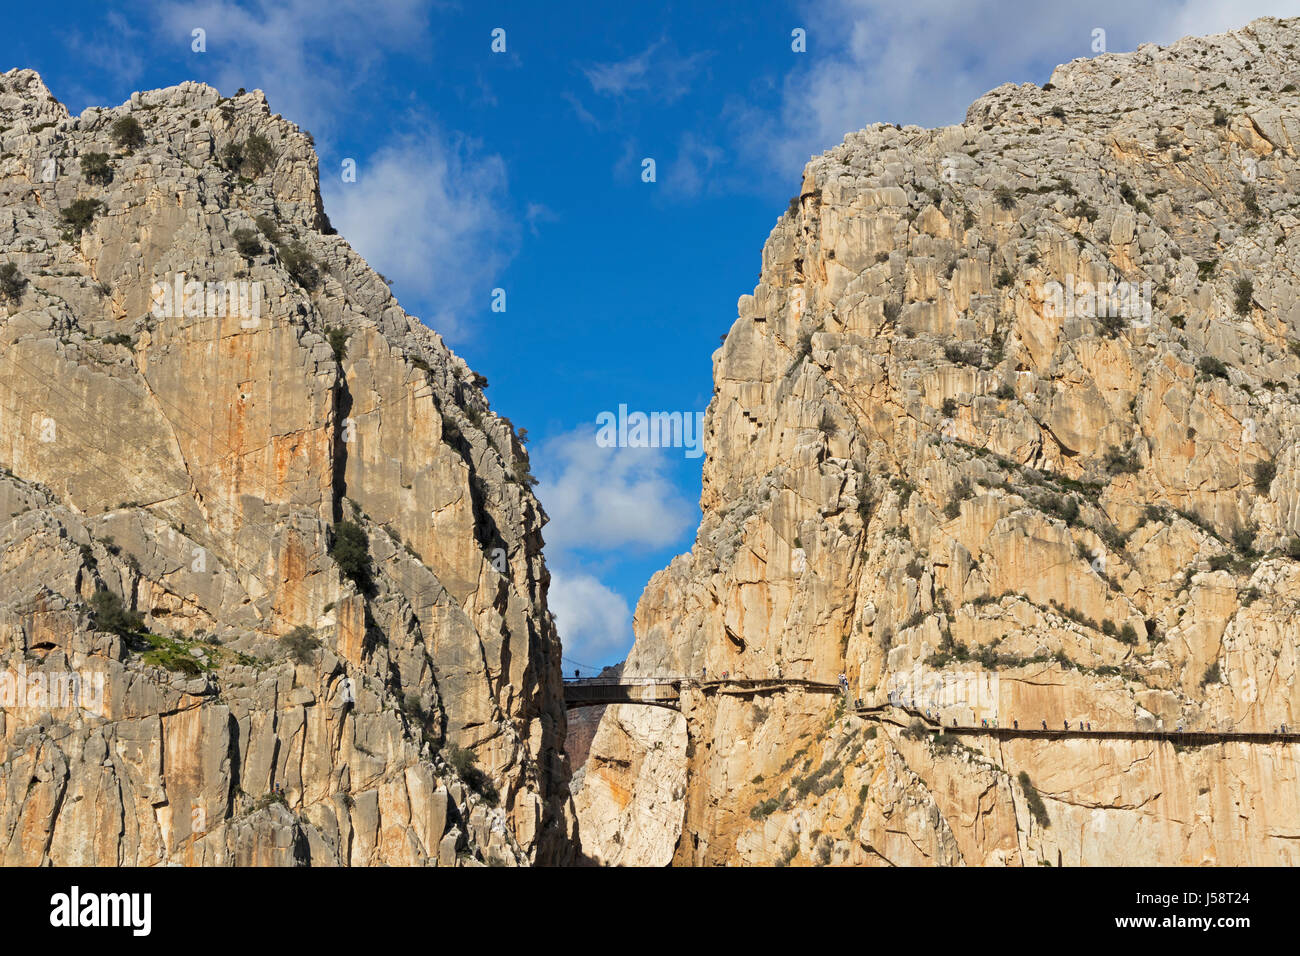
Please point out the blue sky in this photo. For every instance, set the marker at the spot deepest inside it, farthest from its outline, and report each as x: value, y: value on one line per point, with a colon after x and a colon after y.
x: 522, y: 170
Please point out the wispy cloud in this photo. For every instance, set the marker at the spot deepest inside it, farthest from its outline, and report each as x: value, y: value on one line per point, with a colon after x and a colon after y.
x: 925, y: 61
x: 431, y: 214
x: 580, y: 111
x: 605, y: 504
x: 658, y: 71
x: 593, y: 620
x: 691, y: 173
x: 609, y: 498
x: 304, y: 54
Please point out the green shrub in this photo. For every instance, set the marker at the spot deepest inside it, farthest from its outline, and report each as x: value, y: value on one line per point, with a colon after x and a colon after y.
x: 1250, y: 199
x: 1220, y: 116
x: 113, y: 616
x: 1243, y: 538
x: 467, y: 768
x: 827, y: 425
x: 1265, y: 472
x: 1128, y: 634
x: 301, y: 641
x: 232, y: 157
x: 1004, y: 279
x: 268, y: 227
x: 1211, y: 367
x: 1212, y: 675
x: 958, y: 355
x: 247, y: 242
x: 1085, y: 210
x: 127, y: 133
x: 80, y: 214
x: 120, y: 338
x: 258, y: 153
x: 524, y: 474
x: 1122, y: 462
x: 916, y: 730
x: 96, y: 170
x: 1065, y: 507
x: 1034, y: 801
x: 171, y: 654
x: 12, y: 283
x: 1004, y: 197
x: 300, y: 265
x: 1242, y: 292
x: 351, y: 551
x: 337, y: 337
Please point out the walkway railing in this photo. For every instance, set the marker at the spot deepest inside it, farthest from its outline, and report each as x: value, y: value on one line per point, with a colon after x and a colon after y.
x: 666, y: 691
x: 1189, y: 738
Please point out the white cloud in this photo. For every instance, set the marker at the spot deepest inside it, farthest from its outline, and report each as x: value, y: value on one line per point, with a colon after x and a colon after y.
x: 430, y: 214
x: 610, y: 502
x: 537, y: 213
x: 306, y: 55
x: 692, y: 172
x: 609, y: 498
x: 925, y: 61
x: 658, y: 71
x: 594, y: 621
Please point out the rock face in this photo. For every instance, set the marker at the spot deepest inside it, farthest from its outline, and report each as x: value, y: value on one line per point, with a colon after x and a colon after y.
x: 937, y: 466
x: 224, y: 461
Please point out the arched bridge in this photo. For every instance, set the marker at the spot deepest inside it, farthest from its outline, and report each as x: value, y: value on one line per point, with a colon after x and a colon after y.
x: 667, y: 691
x: 593, y: 691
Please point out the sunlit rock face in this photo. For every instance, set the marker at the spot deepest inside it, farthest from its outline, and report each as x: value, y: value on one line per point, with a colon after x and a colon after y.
x: 939, y: 462
x: 200, y: 384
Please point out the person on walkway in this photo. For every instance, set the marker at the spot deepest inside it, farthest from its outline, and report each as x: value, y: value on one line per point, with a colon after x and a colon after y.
x: 1015, y: 724
x: 1067, y: 725
x: 1044, y: 725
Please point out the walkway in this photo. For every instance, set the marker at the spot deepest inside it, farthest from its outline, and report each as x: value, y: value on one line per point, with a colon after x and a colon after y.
x: 1186, y: 738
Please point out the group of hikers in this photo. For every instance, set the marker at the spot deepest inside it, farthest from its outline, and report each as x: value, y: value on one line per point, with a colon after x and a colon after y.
x: 931, y: 712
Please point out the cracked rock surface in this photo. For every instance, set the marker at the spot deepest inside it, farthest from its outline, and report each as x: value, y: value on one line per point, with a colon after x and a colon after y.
x: 197, y: 460
x: 927, y: 472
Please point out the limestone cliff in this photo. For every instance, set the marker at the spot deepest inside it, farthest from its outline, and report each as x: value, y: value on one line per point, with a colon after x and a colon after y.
x: 937, y: 465
x: 264, y: 516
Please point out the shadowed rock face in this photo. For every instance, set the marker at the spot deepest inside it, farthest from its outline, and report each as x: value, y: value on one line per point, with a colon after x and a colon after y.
x: 196, y: 457
x: 926, y: 473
